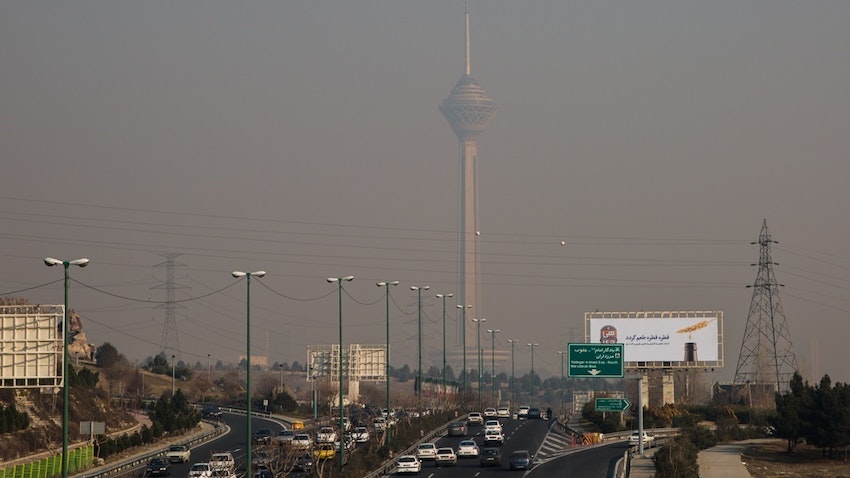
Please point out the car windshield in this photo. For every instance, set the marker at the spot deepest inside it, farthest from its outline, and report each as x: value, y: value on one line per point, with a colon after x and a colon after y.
x: 490, y: 451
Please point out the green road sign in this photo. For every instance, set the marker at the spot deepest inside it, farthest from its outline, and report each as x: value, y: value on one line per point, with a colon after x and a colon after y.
x: 612, y: 404
x: 596, y: 360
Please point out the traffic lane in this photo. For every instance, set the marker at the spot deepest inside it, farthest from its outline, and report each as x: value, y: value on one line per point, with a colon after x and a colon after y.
x: 593, y: 462
x: 236, y: 441
x: 520, y: 435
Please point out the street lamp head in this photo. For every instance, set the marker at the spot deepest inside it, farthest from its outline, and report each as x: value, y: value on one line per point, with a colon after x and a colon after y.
x: 258, y: 273
x: 50, y: 262
x: 238, y: 274
x: 348, y: 278
x: 424, y: 287
x: 444, y: 296
x: 340, y: 279
x: 464, y: 306
x: 382, y: 284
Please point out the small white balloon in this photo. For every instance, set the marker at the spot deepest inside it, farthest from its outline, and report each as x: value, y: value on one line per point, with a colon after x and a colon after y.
x: 563, y: 243
x: 477, y: 233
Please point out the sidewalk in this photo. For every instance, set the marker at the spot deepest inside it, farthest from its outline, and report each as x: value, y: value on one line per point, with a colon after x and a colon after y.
x: 721, y: 461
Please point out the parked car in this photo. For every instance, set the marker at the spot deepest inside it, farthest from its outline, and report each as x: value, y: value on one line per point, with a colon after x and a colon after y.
x: 634, y: 438
x: 457, y: 429
x: 222, y: 461
x: 491, y: 457
x: 360, y: 435
x: 426, y: 451
x: 503, y: 412
x: 522, y: 412
x: 490, y: 412
x: 534, y: 414
x: 200, y: 470
x: 408, y: 464
x: 493, y: 437
x: 158, y: 466
x: 521, y: 460
x: 467, y: 448
x: 445, y: 457
x: 475, y: 418
x: 178, y: 454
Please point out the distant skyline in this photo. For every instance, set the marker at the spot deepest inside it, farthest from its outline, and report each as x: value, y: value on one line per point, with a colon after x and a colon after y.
x: 305, y: 139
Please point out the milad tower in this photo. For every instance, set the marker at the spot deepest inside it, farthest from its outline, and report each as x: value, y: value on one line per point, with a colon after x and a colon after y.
x: 468, y: 110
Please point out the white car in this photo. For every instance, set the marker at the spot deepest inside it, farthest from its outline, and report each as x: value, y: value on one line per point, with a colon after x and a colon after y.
x: 326, y: 435
x: 475, y: 418
x: 301, y: 441
x: 222, y: 461
x: 503, y: 412
x: 490, y: 412
x: 634, y: 438
x: 445, y: 457
x: 200, y: 470
x: 178, y: 454
x: 360, y: 435
x: 492, y: 425
x: 493, y: 437
x: 426, y: 451
x: 408, y: 464
x: 522, y: 412
x: 467, y: 448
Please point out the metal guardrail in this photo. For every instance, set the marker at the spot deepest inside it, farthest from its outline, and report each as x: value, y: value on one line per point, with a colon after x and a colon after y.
x: 388, y: 466
x: 135, y: 461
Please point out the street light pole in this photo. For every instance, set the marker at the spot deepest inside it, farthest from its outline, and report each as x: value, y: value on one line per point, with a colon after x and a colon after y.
x: 493, y: 333
x: 247, y: 276
x: 387, y: 355
x: 419, y: 290
x: 209, y: 368
x: 463, y: 339
x: 50, y: 262
x: 513, y: 389
x: 532, y: 373
x: 478, y: 323
x: 173, y: 370
x: 339, y: 280
x: 443, y: 296
x: 563, y: 354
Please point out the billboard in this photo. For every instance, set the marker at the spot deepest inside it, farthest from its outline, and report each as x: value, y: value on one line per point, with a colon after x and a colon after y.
x: 31, y: 346
x: 667, y: 339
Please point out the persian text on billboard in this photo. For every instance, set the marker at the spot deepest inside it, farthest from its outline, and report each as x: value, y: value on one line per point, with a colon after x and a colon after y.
x: 659, y: 339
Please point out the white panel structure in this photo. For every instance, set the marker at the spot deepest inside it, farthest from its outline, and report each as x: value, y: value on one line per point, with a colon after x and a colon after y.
x: 360, y: 363
x: 31, y: 350
x: 668, y: 339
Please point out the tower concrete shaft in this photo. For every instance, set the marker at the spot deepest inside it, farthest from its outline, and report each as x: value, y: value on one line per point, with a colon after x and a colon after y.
x: 767, y: 355
x: 468, y: 111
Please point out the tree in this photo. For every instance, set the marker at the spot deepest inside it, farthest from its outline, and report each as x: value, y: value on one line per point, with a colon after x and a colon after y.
x: 107, y: 356
x: 790, y: 408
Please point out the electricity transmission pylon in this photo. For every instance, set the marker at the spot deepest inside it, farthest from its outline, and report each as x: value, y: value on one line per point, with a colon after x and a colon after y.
x: 767, y: 354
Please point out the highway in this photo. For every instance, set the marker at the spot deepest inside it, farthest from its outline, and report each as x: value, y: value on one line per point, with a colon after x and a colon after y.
x: 594, y: 462
x: 519, y: 435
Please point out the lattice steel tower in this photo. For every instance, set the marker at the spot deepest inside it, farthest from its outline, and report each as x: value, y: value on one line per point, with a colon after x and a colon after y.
x: 468, y: 110
x: 170, y: 343
x: 767, y: 355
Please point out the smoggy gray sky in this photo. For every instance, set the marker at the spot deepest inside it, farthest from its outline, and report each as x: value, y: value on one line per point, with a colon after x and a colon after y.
x: 304, y: 138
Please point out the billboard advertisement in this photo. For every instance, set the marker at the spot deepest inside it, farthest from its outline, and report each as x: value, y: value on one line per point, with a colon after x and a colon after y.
x: 31, y: 346
x: 674, y: 339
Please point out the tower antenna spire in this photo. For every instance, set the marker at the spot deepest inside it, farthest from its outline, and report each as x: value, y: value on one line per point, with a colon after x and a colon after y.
x: 466, y: 13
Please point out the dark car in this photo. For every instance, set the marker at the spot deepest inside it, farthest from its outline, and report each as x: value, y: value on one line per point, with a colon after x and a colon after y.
x: 534, y: 414
x: 521, y: 460
x: 158, y: 466
x: 491, y: 457
x: 263, y: 435
x: 263, y: 472
x: 457, y: 429
x: 211, y: 411
x: 304, y: 462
